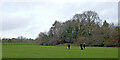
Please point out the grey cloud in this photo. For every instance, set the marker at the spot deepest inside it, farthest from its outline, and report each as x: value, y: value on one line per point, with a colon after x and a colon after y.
x: 109, y: 9
x: 119, y: 13
x: 32, y: 18
x: 15, y: 23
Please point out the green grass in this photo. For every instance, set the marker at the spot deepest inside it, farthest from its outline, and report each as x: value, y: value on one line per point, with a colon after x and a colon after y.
x: 0, y: 50
x: 26, y: 50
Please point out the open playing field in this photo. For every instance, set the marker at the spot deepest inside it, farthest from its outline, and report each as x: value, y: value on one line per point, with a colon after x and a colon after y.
x: 29, y: 50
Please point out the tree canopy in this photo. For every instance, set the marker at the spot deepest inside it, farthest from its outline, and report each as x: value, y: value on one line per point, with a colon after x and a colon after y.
x: 86, y: 27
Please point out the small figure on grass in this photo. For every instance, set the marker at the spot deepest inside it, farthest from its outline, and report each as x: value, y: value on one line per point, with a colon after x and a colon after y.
x: 84, y: 45
x: 81, y: 46
x: 68, y: 46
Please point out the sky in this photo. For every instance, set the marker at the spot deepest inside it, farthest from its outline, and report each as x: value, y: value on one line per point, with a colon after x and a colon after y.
x: 28, y: 19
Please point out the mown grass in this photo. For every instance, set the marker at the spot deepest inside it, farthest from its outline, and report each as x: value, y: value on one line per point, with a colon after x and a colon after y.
x: 30, y: 50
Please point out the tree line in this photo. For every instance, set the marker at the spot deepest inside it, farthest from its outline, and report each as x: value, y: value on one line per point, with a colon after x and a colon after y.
x: 82, y: 28
x: 19, y: 39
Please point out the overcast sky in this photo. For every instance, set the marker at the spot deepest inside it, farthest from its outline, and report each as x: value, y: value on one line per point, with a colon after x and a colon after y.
x: 28, y: 19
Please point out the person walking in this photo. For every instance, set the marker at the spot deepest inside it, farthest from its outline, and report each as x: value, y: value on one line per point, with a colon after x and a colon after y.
x: 81, y: 46
x: 84, y: 45
x: 68, y: 46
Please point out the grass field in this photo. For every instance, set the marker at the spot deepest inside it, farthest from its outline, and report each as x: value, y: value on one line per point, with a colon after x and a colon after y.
x: 29, y: 50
